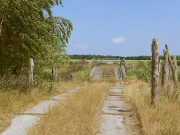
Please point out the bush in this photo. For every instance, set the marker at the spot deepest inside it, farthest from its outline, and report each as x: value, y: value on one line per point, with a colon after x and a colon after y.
x: 14, y: 82
x: 146, y: 73
x: 178, y: 62
x: 141, y: 73
x: 67, y: 75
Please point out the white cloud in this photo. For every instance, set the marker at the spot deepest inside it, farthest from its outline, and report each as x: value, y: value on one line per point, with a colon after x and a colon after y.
x: 118, y: 40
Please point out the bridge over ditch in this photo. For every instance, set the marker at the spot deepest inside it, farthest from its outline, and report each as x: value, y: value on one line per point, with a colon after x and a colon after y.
x: 106, y: 73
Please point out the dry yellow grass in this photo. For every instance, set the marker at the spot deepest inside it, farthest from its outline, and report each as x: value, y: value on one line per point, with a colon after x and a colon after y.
x: 165, y: 119
x: 14, y: 102
x: 78, y: 114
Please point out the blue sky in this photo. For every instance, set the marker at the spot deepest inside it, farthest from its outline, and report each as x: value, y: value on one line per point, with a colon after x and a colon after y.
x: 121, y: 27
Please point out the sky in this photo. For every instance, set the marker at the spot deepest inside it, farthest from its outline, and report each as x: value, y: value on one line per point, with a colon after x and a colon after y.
x: 121, y: 27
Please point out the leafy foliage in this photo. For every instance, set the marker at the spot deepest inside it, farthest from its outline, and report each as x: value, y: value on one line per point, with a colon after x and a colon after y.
x: 146, y: 73
x: 142, y: 71
x: 25, y: 31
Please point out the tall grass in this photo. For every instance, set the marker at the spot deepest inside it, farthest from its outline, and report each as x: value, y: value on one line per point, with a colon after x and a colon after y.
x: 78, y: 114
x: 163, y: 120
x: 13, y: 102
x: 16, y: 94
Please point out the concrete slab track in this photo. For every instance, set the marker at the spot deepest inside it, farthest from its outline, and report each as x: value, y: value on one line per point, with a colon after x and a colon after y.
x: 117, y: 115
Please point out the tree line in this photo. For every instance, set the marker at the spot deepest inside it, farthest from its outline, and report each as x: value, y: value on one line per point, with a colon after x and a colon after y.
x: 89, y: 57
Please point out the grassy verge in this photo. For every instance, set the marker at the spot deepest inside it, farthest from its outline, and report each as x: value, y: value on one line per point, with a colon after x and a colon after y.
x: 165, y: 119
x: 78, y: 114
x: 14, y: 101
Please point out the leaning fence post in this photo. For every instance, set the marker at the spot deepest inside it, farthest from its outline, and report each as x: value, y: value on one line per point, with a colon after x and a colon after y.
x: 155, y: 71
x: 172, y: 67
x: 31, y: 69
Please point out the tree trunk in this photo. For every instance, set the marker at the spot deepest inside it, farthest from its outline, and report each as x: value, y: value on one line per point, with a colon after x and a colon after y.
x: 165, y: 70
x: 31, y: 69
x: 155, y: 71
x: 1, y: 23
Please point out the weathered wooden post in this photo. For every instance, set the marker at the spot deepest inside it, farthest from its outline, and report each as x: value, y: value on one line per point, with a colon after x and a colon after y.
x: 91, y: 63
x: 55, y: 73
x: 175, y: 79
x: 31, y: 69
x: 123, y: 69
x: 155, y: 71
x: 169, y: 73
x: 165, y: 70
x: 159, y: 66
x: 133, y: 66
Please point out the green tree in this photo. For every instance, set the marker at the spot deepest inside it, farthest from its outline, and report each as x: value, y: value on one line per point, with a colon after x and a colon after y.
x: 26, y: 31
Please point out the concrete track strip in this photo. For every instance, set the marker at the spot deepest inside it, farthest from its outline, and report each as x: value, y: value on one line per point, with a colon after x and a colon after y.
x: 22, y: 122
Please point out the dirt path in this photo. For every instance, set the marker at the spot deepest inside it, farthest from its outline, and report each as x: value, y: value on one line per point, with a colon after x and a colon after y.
x: 117, y: 118
x: 22, y: 122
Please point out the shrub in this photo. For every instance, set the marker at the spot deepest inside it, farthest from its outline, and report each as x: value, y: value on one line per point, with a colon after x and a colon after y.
x: 143, y: 73
x: 146, y: 73
x: 178, y: 62
x: 72, y: 68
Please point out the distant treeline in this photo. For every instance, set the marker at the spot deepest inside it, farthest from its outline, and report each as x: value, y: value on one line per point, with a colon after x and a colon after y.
x: 89, y: 57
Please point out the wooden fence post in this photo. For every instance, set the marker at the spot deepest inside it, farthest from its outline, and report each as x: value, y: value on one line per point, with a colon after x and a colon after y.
x: 55, y: 73
x: 172, y: 67
x: 175, y: 70
x: 165, y: 70
x: 155, y: 71
x: 133, y: 66
x: 31, y: 69
x: 159, y: 66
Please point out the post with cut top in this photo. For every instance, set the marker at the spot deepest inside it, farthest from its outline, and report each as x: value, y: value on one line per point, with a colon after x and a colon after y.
x: 155, y: 71
x: 31, y: 69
